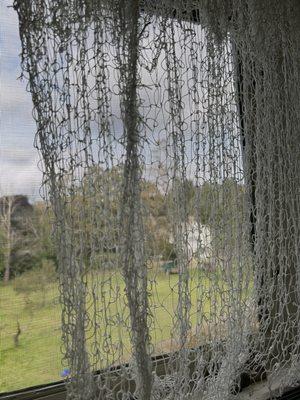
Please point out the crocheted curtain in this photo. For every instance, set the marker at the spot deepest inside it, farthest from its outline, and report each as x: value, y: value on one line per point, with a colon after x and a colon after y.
x: 169, y: 141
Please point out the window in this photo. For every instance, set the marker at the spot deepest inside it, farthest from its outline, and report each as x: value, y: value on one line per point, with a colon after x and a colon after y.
x: 171, y: 225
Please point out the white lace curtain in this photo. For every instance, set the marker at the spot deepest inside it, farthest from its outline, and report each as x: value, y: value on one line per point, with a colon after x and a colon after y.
x: 134, y: 99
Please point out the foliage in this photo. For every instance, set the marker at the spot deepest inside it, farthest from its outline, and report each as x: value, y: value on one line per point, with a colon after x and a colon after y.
x: 167, y: 250
x: 32, y: 239
x: 2, y: 253
x: 95, y: 206
x: 41, y: 227
x: 36, y: 279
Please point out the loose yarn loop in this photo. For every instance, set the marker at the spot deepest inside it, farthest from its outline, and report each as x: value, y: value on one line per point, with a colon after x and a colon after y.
x: 171, y: 124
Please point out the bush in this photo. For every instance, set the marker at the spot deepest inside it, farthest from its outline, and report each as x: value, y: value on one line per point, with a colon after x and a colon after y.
x: 22, y: 261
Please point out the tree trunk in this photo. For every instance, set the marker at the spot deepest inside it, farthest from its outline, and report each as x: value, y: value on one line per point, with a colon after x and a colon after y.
x: 6, y: 276
x: 6, y: 217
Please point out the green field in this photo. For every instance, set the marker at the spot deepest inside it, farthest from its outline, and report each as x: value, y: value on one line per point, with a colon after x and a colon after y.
x: 36, y: 358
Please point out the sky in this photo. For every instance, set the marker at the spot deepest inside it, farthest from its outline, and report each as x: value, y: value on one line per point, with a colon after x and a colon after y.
x: 19, y: 172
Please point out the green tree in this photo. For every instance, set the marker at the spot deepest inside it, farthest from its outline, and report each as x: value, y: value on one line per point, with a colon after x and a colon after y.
x: 9, y: 234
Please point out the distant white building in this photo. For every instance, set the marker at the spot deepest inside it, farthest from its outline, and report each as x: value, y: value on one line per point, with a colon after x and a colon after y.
x: 198, y: 240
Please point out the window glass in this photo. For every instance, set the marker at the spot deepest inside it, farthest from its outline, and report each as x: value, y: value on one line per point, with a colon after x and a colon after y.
x: 29, y: 310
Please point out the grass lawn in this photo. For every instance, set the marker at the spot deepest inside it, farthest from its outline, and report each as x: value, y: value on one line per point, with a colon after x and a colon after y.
x: 36, y: 359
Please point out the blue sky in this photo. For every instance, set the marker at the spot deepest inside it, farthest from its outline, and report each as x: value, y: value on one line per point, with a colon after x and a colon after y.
x: 19, y: 173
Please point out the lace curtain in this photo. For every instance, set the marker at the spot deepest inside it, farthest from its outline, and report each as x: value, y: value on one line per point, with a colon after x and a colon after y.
x: 195, y: 103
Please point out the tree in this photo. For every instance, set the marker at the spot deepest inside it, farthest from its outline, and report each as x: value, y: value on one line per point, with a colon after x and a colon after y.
x: 8, y: 234
x: 38, y: 227
x: 17, y: 245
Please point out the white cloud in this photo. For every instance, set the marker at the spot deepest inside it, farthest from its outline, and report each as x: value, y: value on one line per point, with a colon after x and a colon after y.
x: 13, y: 94
x: 19, y: 173
x: 9, y: 33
